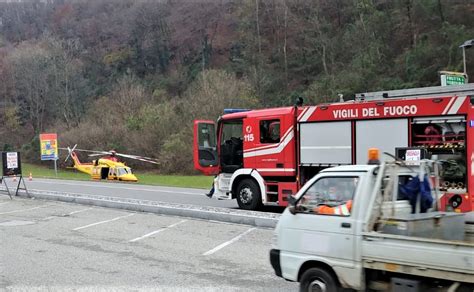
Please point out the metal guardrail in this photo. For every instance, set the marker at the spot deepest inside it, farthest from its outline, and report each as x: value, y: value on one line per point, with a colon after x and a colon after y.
x: 434, y: 91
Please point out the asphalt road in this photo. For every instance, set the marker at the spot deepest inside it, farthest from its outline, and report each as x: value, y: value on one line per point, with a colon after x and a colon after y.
x: 52, y: 246
x: 127, y: 190
x: 132, y: 191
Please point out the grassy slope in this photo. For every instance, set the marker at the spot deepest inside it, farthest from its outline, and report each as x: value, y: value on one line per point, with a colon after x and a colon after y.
x: 190, y: 181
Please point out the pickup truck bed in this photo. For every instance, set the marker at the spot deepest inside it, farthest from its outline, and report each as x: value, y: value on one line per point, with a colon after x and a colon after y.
x: 419, y: 256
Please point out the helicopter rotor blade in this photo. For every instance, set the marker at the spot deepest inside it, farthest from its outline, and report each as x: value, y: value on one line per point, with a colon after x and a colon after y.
x: 102, y: 153
x: 140, y: 158
x: 99, y: 154
x: 68, y: 153
x: 94, y: 151
x: 90, y: 151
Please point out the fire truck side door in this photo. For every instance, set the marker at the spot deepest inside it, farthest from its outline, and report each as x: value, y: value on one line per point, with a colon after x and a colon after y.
x: 205, y: 147
x: 250, y: 134
x: 269, y: 138
x: 262, y: 143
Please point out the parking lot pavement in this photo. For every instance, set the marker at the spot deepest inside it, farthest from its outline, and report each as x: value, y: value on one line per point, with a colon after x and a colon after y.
x: 53, y: 245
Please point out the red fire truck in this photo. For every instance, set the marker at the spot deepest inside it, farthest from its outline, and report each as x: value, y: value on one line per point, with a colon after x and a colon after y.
x: 260, y: 156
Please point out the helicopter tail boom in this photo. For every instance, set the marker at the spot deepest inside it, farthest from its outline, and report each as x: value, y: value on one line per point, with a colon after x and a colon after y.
x: 83, y: 167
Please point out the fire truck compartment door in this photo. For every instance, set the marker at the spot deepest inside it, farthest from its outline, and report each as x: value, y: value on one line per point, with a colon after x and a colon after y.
x: 385, y: 135
x: 326, y: 143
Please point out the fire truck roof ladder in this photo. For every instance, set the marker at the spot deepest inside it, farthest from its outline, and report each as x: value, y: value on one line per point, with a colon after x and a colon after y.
x: 434, y: 91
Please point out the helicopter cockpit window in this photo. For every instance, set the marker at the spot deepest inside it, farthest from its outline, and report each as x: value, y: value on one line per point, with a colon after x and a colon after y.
x: 123, y: 171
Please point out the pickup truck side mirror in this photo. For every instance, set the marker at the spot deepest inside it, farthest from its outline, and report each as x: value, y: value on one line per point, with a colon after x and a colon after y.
x: 292, y: 204
x: 291, y: 200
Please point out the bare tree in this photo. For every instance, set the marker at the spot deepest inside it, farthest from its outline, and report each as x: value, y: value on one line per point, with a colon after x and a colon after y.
x: 214, y: 90
x: 67, y: 80
x: 30, y: 65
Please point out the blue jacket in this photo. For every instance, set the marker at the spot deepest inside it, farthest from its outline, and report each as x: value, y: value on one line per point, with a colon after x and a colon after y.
x: 414, y: 188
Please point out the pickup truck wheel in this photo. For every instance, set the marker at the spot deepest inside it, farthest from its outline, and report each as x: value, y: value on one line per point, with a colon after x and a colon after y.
x: 248, y: 195
x: 317, y: 279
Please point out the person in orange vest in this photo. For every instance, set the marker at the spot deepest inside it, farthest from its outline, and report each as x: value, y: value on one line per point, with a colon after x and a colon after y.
x: 343, y: 210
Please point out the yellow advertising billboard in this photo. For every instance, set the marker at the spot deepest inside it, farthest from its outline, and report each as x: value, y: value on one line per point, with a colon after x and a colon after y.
x: 49, y: 146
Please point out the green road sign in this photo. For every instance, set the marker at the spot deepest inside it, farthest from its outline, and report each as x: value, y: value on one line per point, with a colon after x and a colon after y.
x: 452, y: 78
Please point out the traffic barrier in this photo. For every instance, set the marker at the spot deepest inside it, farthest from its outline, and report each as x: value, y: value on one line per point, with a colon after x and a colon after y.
x: 258, y: 219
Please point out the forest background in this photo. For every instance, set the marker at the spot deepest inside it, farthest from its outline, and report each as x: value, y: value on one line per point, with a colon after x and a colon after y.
x: 133, y: 75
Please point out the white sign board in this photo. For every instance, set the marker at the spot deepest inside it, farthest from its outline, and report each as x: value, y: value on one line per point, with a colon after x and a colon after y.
x: 413, y: 156
x: 12, y: 160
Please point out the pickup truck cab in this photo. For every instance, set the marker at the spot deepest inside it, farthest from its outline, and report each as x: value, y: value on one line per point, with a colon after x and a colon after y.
x: 346, y: 228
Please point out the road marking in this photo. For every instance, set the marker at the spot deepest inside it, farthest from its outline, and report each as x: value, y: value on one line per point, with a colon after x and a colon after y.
x: 98, y: 185
x: 17, y: 211
x: 157, y: 231
x: 222, y: 222
x: 102, y: 222
x: 80, y: 211
x: 217, y: 248
x: 69, y: 214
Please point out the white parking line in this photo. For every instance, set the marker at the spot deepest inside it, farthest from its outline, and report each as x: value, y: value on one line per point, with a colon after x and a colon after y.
x: 102, y: 222
x: 72, y: 213
x: 80, y: 211
x: 157, y: 231
x: 17, y: 211
x: 217, y: 248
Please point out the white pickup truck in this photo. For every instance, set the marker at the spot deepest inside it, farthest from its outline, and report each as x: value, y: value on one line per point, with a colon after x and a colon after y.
x: 376, y: 243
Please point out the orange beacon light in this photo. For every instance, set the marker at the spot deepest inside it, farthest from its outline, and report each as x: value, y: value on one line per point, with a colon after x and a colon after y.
x: 374, y: 156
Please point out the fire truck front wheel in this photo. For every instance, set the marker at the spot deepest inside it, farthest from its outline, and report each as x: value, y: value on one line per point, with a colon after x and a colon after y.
x: 248, y: 195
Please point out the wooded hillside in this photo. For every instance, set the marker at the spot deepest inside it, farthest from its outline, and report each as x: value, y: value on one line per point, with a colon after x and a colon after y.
x: 132, y: 75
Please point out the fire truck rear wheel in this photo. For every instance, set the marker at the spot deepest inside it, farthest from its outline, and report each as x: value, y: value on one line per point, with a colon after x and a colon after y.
x: 248, y: 195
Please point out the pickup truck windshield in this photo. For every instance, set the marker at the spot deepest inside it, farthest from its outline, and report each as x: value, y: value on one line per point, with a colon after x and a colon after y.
x: 330, y: 196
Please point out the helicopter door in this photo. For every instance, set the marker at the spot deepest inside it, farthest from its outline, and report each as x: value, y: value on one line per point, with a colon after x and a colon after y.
x: 104, y: 171
x: 205, y: 147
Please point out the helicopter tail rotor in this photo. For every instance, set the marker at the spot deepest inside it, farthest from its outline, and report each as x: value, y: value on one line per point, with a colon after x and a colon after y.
x: 69, y: 150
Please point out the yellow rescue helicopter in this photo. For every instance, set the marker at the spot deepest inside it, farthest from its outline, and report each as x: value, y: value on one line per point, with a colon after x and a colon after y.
x: 108, y: 167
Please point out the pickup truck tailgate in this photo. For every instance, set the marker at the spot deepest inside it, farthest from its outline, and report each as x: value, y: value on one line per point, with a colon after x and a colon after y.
x: 453, y: 260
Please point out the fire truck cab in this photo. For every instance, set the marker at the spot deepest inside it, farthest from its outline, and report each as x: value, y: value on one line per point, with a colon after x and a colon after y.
x: 260, y: 156
x: 252, y: 153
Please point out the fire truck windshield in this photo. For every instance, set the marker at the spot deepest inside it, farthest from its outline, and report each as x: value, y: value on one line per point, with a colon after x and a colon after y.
x: 231, y: 150
x: 231, y: 130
